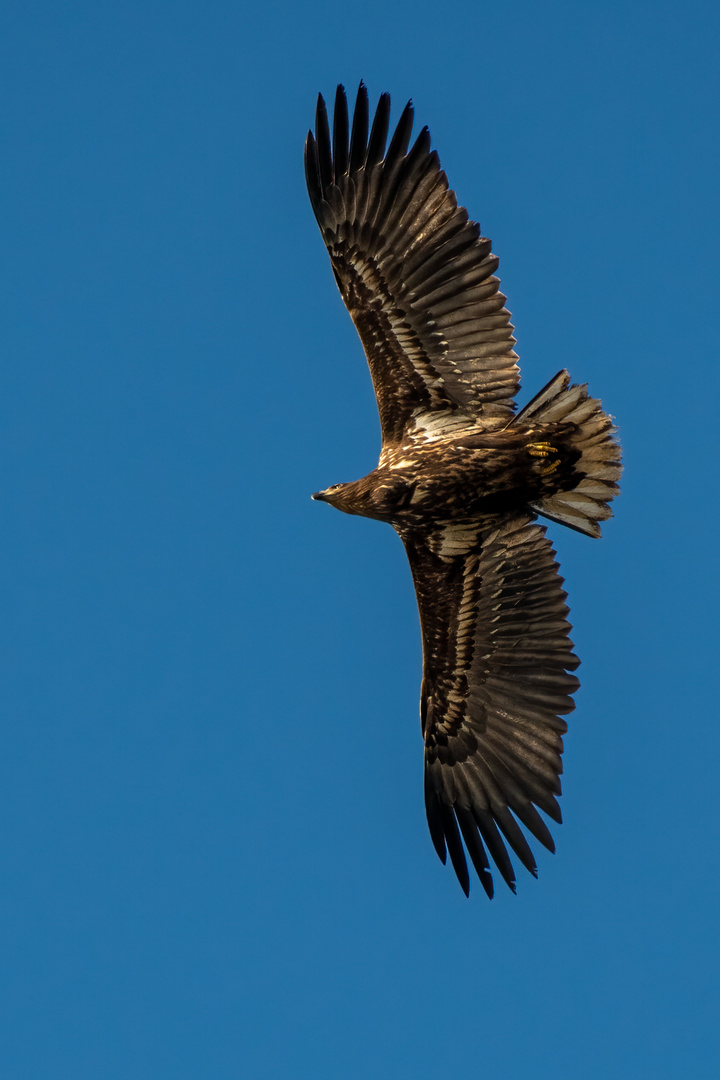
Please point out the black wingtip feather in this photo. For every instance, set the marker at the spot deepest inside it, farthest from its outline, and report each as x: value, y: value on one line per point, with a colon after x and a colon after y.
x: 493, y: 840
x: 312, y: 172
x: 454, y: 844
x: 421, y: 146
x: 359, y: 136
x: 322, y: 141
x: 515, y: 838
x: 401, y: 139
x: 551, y: 806
x: 434, y: 823
x: 379, y: 132
x: 476, y: 850
x: 340, y: 133
x: 535, y: 824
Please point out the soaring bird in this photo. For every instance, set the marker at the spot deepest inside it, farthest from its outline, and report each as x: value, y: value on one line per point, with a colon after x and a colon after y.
x: 462, y: 477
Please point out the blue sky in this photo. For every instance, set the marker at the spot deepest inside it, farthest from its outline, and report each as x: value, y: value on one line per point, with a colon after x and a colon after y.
x: 213, y: 854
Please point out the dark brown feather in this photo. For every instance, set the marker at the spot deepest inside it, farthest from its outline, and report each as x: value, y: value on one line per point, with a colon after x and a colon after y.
x: 395, y: 234
x: 507, y: 589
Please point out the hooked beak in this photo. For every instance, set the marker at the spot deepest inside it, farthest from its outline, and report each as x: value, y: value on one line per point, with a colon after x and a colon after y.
x: 319, y: 495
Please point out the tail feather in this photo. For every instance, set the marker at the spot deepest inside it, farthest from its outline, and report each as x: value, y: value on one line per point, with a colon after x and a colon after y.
x: 598, y: 467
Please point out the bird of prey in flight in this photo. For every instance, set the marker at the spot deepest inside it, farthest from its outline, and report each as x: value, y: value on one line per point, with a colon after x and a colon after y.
x: 462, y: 478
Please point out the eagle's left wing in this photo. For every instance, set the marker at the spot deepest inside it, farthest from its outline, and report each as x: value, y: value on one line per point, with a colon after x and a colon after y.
x: 496, y: 663
x: 414, y: 272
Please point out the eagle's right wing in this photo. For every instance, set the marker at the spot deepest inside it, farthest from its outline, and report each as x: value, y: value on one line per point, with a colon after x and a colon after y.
x: 414, y: 272
x: 496, y: 663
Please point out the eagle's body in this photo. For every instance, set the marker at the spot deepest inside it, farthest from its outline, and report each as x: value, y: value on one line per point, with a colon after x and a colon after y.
x: 461, y: 478
x: 466, y: 476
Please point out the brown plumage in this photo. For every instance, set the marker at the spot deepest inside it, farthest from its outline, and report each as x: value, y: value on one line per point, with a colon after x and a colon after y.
x: 461, y: 478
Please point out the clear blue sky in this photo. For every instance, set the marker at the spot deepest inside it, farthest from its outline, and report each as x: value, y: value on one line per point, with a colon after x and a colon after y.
x: 214, y: 861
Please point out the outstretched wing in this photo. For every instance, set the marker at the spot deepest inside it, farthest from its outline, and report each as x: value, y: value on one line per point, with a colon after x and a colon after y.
x: 496, y: 655
x: 414, y: 272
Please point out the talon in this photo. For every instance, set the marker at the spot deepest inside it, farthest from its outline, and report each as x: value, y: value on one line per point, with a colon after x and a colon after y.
x: 541, y: 449
x: 545, y: 450
x: 551, y: 466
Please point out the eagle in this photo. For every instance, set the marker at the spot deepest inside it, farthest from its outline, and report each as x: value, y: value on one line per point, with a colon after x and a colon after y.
x: 462, y: 478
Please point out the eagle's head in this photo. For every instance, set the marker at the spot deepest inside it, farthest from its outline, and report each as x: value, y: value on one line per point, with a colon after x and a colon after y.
x: 370, y: 497
x: 342, y: 496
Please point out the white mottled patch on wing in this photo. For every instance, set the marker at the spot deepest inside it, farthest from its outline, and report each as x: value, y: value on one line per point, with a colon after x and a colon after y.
x: 429, y: 424
x: 455, y: 539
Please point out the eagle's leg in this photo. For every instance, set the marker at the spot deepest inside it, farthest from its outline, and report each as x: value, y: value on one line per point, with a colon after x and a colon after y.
x: 541, y: 449
x: 545, y: 450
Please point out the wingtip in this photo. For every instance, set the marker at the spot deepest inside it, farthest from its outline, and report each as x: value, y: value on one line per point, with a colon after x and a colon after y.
x: 488, y: 884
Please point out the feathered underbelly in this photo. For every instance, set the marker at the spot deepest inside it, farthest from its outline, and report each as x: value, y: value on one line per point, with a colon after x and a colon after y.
x: 468, y: 484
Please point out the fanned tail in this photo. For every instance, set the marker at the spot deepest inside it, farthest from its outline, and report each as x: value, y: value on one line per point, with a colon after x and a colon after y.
x: 586, y: 505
